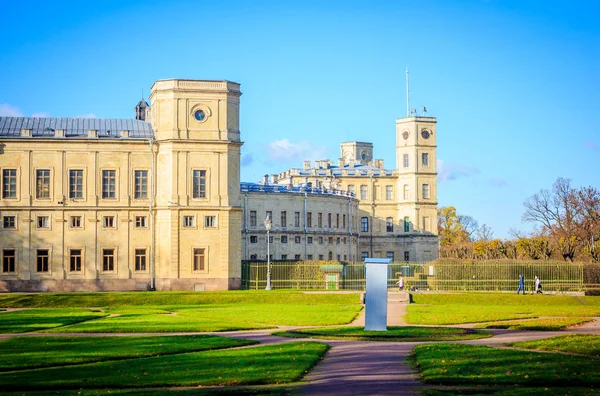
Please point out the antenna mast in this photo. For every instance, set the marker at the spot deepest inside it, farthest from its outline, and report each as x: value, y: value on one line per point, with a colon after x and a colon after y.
x: 407, y: 102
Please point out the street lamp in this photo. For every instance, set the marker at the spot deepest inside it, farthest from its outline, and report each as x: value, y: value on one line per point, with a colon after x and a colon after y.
x: 267, y: 224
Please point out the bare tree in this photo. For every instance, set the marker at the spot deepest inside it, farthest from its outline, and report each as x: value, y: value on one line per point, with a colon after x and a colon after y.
x: 485, y: 233
x: 469, y: 224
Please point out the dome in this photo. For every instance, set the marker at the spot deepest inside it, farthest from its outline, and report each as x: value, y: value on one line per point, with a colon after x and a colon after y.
x: 142, y: 103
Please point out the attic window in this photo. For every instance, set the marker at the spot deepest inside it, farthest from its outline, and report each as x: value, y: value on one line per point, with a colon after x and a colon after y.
x: 48, y: 130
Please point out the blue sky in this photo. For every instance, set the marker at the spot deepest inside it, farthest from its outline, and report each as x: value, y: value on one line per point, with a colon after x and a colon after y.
x: 514, y: 84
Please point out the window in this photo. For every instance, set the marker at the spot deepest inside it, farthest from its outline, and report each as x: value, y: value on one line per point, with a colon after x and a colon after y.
x: 43, y: 222
x: 199, y: 184
x: 390, y: 255
x: 320, y: 257
x: 284, y: 256
x: 199, y: 259
x: 283, y: 218
x: 389, y: 224
x: 406, y: 256
x: 75, y: 222
x: 269, y: 215
x: 8, y: 260
x: 253, y: 257
x: 320, y: 220
x: 309, y: 219
x: 345, y: 257
x: 42, y: 259
x: 108, y: 184
x: 344, y: 221
x: 296, y: 219
x: 339, y: 257
x: 9, y: 183
x: 338, y: 240
x: 270, y: 238
x: 330, y: 256
x: 140, y: 188
x: 426, y: 191
x: 140, y: 222
x: 344, y: 241
x: 389, y: 193
x: 405, y: 160
x: 331, y: 240
x: 210, y: 221
x: 364, y: 224
x: 406, y: 191
x: 309, y: 240
x: 189, y: 221
x: 406, y: 224
x: 75, y: 183
x: 108, y: 259
x: 351, y: 189
x: 9, y: 222
x: 309, y: 256
x: 337, y: 220
x: 253, y: 239
x: 296, y: 257
x: 364, y: 256
x: 297, y: 239
x: 108, y: 222
x: 329, y: 220
x: 425, y: 160
x: 253, y: 218
x: 75, y: 260
x: 363, y: 192
x: 140, y: 259
x: 42, y: 183
x: 320, y: 240
x: 284, y: 239
x: 426, y: 224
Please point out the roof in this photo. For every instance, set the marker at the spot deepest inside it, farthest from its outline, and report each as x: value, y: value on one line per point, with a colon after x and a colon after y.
x: 284, y: 189
x: 333, y: 170
x: 74, y: 127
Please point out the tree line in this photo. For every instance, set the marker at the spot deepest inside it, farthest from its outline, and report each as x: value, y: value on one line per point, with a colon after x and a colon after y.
x: 567, y: 227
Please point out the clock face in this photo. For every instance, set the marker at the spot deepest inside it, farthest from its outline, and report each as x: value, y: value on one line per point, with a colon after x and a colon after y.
x: 425, y: 134
x: 199, y: 115
x: 405, y: 135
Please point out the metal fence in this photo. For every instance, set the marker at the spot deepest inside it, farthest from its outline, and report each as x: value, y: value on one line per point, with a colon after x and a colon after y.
x: 438, y: 275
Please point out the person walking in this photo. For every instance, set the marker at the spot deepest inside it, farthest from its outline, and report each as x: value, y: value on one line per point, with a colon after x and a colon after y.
x: 400, y: 284
x: 521, y: 284
x: 538, y: 285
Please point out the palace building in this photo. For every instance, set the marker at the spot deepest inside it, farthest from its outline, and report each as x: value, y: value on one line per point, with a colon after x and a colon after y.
x: 156, y: 202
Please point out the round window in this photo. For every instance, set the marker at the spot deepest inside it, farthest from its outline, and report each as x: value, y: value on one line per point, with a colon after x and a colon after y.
x: 405, y: 135
x: 200, y: 115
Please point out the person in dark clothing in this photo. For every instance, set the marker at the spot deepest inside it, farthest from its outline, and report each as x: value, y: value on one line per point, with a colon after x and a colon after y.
x: 521, y: 284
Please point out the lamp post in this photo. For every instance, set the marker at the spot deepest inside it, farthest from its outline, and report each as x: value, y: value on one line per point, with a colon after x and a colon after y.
x: 267, y: 224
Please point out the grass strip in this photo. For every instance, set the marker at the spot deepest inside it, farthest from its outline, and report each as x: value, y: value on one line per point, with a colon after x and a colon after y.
x: 545, y: 324
x: 227, y: 391
x: 509, y: 391
x: 400, y: 334
x: 270, y: 364
x: 20, y: 353
x: 456, y: 364
x: 29, y: 320
x: 581, y: 344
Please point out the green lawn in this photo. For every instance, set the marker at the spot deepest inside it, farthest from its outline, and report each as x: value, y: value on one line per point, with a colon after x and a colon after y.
x: 456, y: 364
x: 582, y: 344
x: 28, y: 320
x: 216, y: 391
x: 401, y: 334
x: 545, y: 324
x: 21, y: 353
x: 270, y: 364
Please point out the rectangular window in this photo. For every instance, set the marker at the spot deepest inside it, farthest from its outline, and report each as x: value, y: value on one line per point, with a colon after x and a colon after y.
x: 140, y: 259
x: 269, y: 215
x: 75, y: 260
x: 337, y: 220
x: 108, y: 184
x: 75, y: 183
x: 309, y: 257
x: 43, y: 260
x: 253, y: 239
x: 406, y: 256
x: 270, y: 238
x: 199, y: 184
x: 363, y: 192
x: 426, y: 224
x: 140, y: 189
x: 389, y: 193
x: 364, y: 224
x: 338, y: 240
x: 390, y: 255
x: 351, y: 189
x: 344, y: 221
x: 329, y: 220
x: 210, y: 221
x: 389, y: 224
x: 42, y: 183
x: 189, y: 221
x: 309, y: 240
x: 406, y: 191
x: 364, y: 256
x: 9, y: 183
x: 108, y: 259
x: 199, y: 259
x: 43, y: 222
x: 9, y: 222
x: 344, y: 241
x: 425, y: 191
x: 320, y: 220
x: 140, y: 222
x: 296, y: 257
x: 331, y: 240
x: 406, y: 224
x: 284, y: 256
x: 320, y: 240
x: 8, y: 260
x: 339, y: 257
x: 253, y: 257
x: 75, y: 222
x: 108, y: 222
x: 283, y: 239
x: 296, y: 219
x: 253, y: 218
x: 283, y: 218
x: 309, y: 219
x: 320, y: 257
x: 297, y: 239
x: 405, y: 160
x: 425, y: 160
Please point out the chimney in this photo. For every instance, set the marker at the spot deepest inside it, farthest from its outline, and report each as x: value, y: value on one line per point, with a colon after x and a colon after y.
x: 92, y: 133
x: 265, y: 180
x: 306, y: 165
x: 274, y: 179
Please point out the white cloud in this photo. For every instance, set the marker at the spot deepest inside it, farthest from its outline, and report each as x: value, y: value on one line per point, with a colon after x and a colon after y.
x: 7, y: 110
x: 283, y: 150
x: 88, y: 115
x: 453, y: 171
x: 41, y: 114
